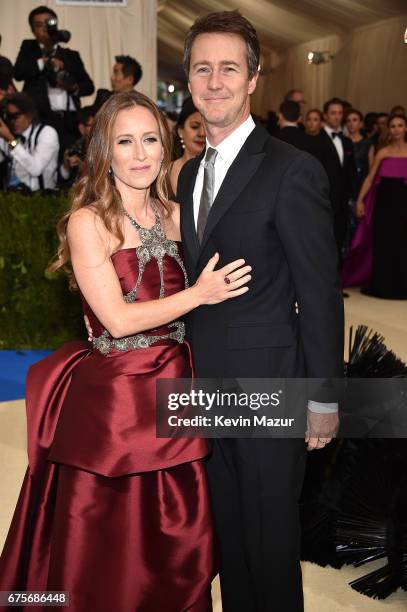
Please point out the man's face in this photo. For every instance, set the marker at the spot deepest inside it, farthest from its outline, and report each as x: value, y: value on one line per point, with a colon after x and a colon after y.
x: 39, y: 28
x: 17, y: 120
x: 333, y: 116
x: 219, y: 80
x: 120, y: 82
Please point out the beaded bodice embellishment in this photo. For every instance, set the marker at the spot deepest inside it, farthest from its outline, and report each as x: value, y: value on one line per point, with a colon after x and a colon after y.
x: 154, y: 246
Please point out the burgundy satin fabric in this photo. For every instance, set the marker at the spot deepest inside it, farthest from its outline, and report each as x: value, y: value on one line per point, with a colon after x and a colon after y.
x: 107, y: 511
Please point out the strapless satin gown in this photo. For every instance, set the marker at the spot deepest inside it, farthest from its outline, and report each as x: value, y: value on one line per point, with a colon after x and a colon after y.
x: 107, y: 511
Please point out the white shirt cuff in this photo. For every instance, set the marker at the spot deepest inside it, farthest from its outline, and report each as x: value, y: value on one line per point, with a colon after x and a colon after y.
x: 322, y: 408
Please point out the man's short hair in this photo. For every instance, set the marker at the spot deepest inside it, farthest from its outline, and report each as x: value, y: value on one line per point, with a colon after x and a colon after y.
x: 289, y: 94
x: 23, y: 102
x: 131, y: 67
x: 40, y: 10
x: 85, y: 113
x: 290, y: 110
x: 229, y: 22
x: 331, y: 102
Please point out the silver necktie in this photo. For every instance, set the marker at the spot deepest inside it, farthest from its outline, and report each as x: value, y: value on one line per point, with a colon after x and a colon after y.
x: 207, y: 191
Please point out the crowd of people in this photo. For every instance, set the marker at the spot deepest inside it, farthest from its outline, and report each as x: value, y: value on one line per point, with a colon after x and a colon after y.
x: 43, y: 129
x: 44, y: 134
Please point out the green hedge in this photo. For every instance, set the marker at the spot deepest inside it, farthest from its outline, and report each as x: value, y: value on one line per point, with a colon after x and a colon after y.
x: 37, y: 310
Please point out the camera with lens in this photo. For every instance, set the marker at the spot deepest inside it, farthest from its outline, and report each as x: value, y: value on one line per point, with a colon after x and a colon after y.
x: 59, y: 78
x: 56, y: 35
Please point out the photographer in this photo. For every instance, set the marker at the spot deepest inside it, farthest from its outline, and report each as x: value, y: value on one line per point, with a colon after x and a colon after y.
x: 71, y: 167
x: 126, y: 73
x: 29, y: 147
x: 54, y: 77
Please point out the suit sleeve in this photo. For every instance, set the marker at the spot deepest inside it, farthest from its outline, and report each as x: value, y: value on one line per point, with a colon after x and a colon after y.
x: 74, y: 65
x: 26, y: 66
x: 305, y: 226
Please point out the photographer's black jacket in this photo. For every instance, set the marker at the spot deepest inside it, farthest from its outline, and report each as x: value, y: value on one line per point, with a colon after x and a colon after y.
x: 35, y: 81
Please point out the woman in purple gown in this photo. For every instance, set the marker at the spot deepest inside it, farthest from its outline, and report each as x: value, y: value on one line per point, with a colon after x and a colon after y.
x: 377, y: 258
x: 108, y: 512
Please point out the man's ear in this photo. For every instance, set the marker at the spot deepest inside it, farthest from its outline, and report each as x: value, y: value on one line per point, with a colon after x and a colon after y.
x: 81, y: 128
x: 253, y: 83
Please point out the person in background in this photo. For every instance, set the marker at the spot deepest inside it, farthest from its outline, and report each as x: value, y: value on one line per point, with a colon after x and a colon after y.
x: 288, y: 120
x: 398, y: 110
x: 6, y: 85
x: 74, y: 157
x: 54, y: 77
x: 126, y: 73
x: 296, y: 95
x: 335, y: 152
x: 172, y: 119
x: 6, y: 67
x: 370, y: 124
x: 377, y: 259
x: 29, y: 147
x: 191, y: 134
x: 313, y: 122
x: 361, y: 145
x: 380, y: 137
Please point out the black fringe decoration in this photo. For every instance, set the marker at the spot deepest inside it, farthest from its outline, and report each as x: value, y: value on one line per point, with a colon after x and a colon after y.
x: 354, y: 499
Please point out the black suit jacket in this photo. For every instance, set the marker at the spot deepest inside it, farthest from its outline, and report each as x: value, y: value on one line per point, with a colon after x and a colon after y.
x: 273, y: 210
x: 35, y: 81
x: 295, y: 136
x: 101, y: 96
x: 342, y: 178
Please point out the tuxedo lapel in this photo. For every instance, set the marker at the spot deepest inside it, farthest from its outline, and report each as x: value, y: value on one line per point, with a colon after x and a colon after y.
x: 189, y: 235
x: 239, y: 174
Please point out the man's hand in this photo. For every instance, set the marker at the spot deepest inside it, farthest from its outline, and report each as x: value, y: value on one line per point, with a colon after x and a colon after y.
x: 321, y: 428
x: 88, y: 328
x: 57, y: 63
x: 71, y: 161
x: 5, y: 132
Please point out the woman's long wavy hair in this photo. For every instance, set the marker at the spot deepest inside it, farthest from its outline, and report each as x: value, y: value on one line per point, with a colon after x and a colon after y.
x: 96, y: 187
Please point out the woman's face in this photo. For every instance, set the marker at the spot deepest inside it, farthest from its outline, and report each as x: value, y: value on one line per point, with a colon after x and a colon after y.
x: 137, y: 148
x: 397, y: 129
x: 193, y: 134
x: 313, y: 123
x: 353, y: 123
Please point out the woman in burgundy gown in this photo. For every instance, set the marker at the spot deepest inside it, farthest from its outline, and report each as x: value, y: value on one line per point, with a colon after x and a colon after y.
x: 377, y: 258
x: 108, y: 512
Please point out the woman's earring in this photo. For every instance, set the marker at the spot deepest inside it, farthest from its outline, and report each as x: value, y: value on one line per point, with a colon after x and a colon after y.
x: 182, y: 142
x: 110, y: 171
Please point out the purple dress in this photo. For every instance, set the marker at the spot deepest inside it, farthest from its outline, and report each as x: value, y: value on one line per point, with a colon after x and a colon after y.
x: 377, y: 253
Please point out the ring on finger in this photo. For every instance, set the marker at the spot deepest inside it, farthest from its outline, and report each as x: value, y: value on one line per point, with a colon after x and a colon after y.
x: 227, y: 280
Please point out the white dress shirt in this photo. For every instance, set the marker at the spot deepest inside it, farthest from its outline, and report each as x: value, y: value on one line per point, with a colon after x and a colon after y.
x: 29, y: 161
x: 227, y: 153
x: 337, y: 140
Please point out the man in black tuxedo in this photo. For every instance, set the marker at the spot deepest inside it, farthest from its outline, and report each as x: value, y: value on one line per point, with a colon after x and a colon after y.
x: 288, y: 120
x: 335, y: 152
x: 252, y: 196
x: 126, y: 73
x: 54, y: 77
